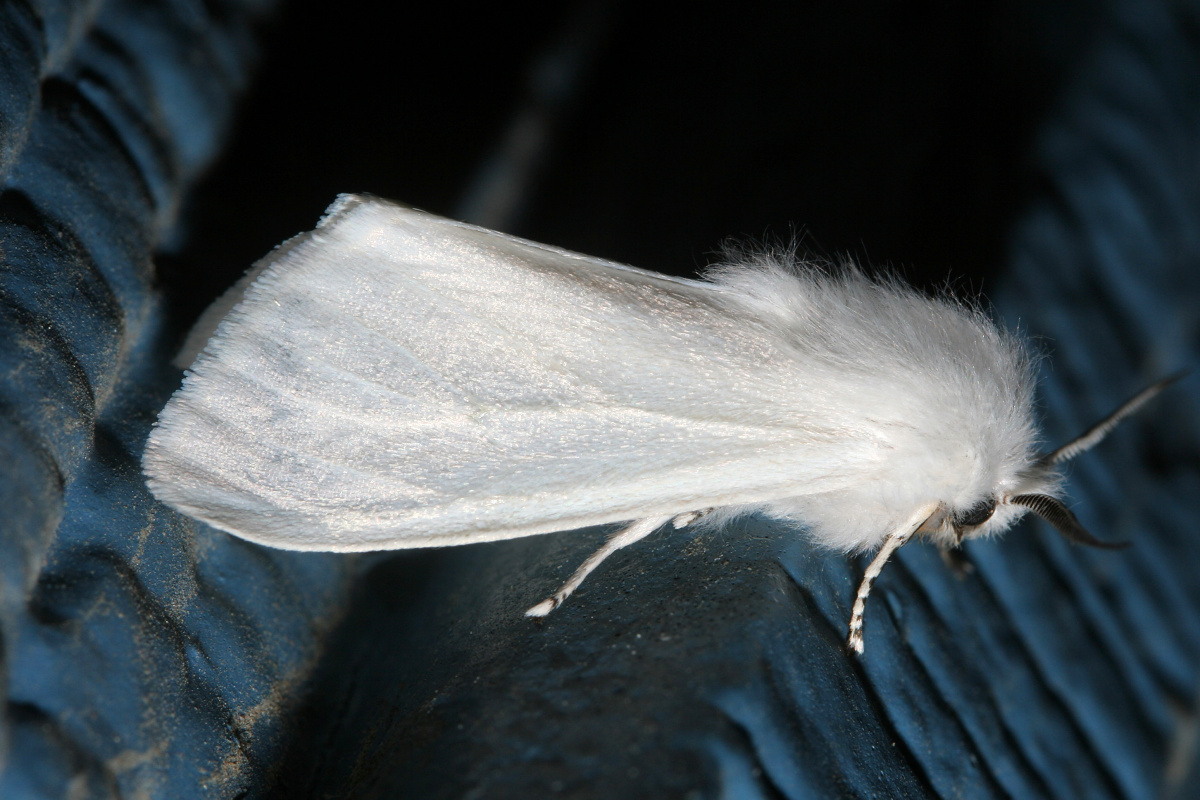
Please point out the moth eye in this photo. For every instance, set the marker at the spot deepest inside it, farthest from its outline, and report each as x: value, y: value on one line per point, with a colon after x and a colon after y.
x: 977, y: 514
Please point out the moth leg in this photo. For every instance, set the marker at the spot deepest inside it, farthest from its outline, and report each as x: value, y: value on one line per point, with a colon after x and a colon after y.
x: 956, y: 561
x: 626, y: 536
x: 687, y: 518
x: 891, y: 544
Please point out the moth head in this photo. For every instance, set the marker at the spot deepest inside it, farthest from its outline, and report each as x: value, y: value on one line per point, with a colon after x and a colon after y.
x: 954, y: 523
x: 980, y: 501
x: 1035, y: 489
x: 951, y: 526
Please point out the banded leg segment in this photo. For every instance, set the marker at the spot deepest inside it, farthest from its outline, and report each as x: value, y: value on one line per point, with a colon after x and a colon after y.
x: 894, y: 541
x: 635, y: 531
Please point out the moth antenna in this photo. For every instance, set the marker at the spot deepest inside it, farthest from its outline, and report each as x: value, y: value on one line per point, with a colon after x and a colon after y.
x: 1097, y: 432
x: 894, y: 541
x: 635, y: 531
x: 1053, y: 511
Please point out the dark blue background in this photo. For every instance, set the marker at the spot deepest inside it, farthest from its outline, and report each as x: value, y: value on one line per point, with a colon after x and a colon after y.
x: 1048, y: 152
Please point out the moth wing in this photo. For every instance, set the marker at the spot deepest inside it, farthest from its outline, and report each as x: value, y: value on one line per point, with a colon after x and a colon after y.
x: 394, y: 379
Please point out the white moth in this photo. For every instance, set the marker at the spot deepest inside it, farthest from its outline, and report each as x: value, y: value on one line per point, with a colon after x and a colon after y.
x: 394, y: 379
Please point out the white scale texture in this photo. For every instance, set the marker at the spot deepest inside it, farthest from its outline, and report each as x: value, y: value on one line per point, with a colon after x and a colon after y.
x: 394, y: 379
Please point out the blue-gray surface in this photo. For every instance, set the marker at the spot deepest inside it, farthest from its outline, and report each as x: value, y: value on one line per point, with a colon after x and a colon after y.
x: 141, y: 657
x: 147, y: 656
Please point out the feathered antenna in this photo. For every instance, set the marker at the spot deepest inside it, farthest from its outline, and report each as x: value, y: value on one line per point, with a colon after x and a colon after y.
x: 1051, y: 509
x: 1094, y: 434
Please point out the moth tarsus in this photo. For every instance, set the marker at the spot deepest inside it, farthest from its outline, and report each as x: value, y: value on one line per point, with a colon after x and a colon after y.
x: 543, y: 608
x: 623, y: 537
x: 633, y: 532
x: 894, y: 541
x: 687, y: 518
